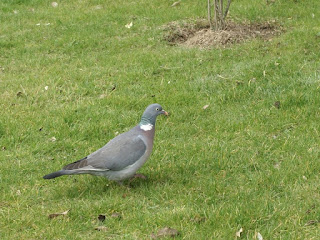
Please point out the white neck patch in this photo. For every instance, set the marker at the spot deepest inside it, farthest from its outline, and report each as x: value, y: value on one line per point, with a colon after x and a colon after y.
x: 146, y: 127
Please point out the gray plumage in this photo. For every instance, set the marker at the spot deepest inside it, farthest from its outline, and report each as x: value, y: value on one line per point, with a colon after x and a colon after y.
x: 122, y: 156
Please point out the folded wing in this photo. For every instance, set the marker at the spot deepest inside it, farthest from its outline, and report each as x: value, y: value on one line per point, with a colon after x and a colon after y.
x: 119, y: 153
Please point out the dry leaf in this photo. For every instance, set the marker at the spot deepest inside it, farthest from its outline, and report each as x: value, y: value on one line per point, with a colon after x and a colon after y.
x: 101, y: 228
x: 198, y: 219
x: 277, y: 104
x: 276, y: 165
x: 129, y: 25
x: 53, y: 139
x: 311, y: 222
x: 165, y: 232
x: 54, y: 215
x: 238, y: 234
x: 103, y: 95
x: 259, y: 236
x: 311, y: 209
x: 176, y: 4
x: 54, y: 4
x: 101, y: 218
x: 116, y: 215
x: 205, y: 107
x: 98, y: 7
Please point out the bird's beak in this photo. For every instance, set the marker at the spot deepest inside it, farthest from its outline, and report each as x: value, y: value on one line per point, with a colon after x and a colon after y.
x: 165, y: 113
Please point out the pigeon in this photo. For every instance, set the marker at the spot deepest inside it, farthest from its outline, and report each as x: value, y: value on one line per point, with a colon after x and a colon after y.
x: 122, y: 156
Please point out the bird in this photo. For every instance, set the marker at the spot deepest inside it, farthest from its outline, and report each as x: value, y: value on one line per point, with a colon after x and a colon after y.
x: 123, y: 155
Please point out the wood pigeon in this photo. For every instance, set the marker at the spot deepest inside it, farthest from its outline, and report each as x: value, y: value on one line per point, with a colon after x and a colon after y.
x: 122, y: 156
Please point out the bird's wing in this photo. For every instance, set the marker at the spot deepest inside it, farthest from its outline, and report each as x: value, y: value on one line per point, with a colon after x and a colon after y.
x: 121, y: 152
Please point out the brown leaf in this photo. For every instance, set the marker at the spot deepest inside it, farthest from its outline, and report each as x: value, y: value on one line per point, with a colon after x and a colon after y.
x: 54, y: 215
x: 101, y: 228
x: 124, y: 195
x: 311, y: 222
x: 311, y: 209
x: 165, y: 232
x: 102, y: 218
x: 277, y: 104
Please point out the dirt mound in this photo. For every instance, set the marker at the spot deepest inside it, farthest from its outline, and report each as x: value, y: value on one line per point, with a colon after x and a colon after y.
x: 199, y: 34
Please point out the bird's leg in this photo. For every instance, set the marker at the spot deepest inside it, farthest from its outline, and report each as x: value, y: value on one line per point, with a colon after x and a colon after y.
x: 138, y: 175
x: 120, y: 183
x: 125, y: 186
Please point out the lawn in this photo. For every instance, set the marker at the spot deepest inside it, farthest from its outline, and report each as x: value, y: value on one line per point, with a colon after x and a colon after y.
x: 73, y: 76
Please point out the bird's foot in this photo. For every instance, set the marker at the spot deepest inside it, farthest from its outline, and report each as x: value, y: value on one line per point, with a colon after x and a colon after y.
x: 139, y: 175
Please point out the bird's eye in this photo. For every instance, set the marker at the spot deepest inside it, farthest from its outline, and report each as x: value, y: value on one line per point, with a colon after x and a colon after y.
x: 157, y: 109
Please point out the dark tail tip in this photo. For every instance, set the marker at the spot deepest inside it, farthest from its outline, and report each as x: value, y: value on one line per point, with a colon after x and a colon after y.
x: 54, y: 175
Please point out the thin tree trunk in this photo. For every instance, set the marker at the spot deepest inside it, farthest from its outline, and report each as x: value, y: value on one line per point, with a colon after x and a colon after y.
x: 220, y: 13
x: 216, y: 14
x: 221, y: 7
x: 209, y: 15
x: 227, y: 9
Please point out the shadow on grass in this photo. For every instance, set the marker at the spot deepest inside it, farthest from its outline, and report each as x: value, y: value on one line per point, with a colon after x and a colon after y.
x: 86, y: 186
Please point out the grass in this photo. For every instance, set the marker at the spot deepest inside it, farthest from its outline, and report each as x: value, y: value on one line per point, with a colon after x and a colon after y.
x: 240, y: 163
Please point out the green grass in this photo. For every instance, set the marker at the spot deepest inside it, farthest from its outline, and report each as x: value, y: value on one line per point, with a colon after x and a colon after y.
x: 239, y: 163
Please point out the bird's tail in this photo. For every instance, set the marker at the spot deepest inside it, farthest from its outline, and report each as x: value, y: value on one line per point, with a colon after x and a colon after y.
x: 55, y: 174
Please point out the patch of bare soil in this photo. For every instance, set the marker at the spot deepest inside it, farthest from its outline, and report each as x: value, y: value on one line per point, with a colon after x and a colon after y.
x: 199, y: 34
